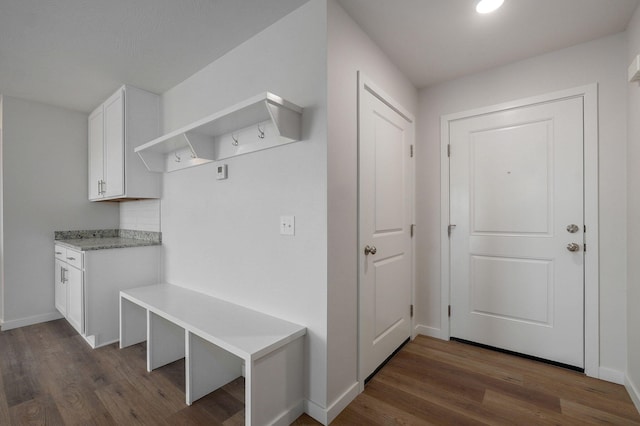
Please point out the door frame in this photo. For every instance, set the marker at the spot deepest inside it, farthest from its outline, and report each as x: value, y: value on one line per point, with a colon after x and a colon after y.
x: 365, y: 83
x: 589, y: 93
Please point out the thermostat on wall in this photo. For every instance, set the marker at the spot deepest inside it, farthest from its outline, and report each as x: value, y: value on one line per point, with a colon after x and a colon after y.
x: 221, y: 172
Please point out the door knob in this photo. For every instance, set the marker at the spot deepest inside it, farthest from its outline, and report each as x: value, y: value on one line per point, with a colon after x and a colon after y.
x: 370, y: 250
x: 573, y: 228
x: 573, y: 247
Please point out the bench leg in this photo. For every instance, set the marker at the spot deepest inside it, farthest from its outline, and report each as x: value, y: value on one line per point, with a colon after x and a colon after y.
x: 133, y: 323
x: 274, y: 386
x: 166, y: 342
x: 207, y: 367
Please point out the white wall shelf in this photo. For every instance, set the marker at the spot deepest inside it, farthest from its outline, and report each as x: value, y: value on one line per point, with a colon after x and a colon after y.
x: 261, y: 122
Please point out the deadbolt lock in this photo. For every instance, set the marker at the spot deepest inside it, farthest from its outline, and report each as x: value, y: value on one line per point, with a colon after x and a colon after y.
x: 573, y: 228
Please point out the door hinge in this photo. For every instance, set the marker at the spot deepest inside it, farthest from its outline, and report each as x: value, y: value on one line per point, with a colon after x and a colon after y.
x: 411, y: 310
x: 449, y: 150
x: 585, y: 229
x: 449, y: 311
x: 412, y: 229
x: 585, y: 247
x: 449, y: 229
x: 411, y: 151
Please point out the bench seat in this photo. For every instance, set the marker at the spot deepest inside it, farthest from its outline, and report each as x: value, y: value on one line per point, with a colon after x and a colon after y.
x: 217, y: 339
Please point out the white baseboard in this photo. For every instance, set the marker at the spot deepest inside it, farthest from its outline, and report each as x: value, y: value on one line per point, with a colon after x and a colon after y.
x: 611, y: 375
x: 327, y: 415
x: 316, y: 411
x: 427, y: 331
x: 342, y: 402
x: 290, y: 415
x: 36, y: 319
x: 633, y: 390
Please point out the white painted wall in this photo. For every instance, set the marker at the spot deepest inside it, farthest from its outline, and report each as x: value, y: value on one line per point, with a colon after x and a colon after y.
x: 44, y: 161
x: 602, y: 61
x: 349, y: 50
x: 140, y: 215
x: 222, y: 237
x: 1, y: 221
x: 633, y: 213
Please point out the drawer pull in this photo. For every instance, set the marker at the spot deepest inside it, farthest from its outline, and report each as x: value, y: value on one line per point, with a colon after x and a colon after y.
x: 71, y: 258
x: 58, y: 252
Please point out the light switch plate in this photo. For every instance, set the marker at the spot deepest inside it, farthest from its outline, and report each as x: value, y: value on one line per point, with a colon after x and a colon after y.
x: 634, y: 69
x: 221, y: 171
x: 287, y: 225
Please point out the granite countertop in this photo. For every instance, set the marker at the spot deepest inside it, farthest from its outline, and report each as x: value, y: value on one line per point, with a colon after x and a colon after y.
x: 103, y: 239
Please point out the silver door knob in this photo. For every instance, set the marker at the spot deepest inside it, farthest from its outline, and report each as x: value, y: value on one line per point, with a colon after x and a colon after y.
x: 573, y: 228
x: 573, y: 247
x: 370, y: 250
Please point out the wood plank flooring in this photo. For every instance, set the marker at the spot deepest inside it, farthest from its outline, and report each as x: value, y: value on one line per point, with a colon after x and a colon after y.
x: 50, y: 376
x: 449, y: 383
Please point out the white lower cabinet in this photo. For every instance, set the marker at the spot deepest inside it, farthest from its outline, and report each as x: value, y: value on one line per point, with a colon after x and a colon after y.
x: 75, y: 302
x: 68, y: 286
x: 88, y: 284
x: 61, y: 289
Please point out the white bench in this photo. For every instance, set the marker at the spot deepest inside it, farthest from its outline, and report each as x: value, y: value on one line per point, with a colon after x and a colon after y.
x: 217, y: 338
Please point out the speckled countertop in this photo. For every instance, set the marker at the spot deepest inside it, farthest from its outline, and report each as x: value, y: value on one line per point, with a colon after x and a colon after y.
x: 102, y: 239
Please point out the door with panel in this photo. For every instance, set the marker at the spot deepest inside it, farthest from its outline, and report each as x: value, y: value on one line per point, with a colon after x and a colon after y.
x: 96, y: 153
x: 114, y: 130
x: 386, y: 135
x: 75, y: 298
x: 60, y: 289
x: 517, y: 259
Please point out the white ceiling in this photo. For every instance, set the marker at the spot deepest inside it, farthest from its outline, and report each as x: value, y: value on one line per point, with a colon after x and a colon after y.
x: 74, y: 53
x: 432, y: 41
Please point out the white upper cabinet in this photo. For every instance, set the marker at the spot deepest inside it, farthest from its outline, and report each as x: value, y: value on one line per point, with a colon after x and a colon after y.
x: 129, y: 117
x: 96, y: 154
x: 264, y: 121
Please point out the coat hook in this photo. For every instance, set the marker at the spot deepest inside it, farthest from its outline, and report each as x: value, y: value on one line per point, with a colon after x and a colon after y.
x: 178, y: 159
x: 235, y: 140
x: 260, y: 132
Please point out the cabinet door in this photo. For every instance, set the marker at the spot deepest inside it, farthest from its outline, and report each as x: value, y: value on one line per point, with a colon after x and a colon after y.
x: 96, y: 153
x: 114, y: 145
x: 60, y: 287
x: 75, y: 308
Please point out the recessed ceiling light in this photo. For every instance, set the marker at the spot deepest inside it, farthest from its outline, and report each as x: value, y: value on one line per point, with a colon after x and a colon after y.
x: 488, y: 6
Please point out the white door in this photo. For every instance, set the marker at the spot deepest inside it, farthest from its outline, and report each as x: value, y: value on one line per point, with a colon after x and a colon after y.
x: 385, y: 215
x: 75, y: 307
x: 114, y: 145
x: 60, y: 289
x: 96, y: 153
x: 516, y: 181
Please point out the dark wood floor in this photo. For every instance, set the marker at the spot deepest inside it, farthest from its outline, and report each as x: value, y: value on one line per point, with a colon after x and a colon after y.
x: 50, y: 376
x: 436, y: 382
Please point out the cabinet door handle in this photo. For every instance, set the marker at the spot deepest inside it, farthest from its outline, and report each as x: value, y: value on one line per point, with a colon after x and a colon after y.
x: 99, y: 187
x: 63, y: 277
x: 104, y: 187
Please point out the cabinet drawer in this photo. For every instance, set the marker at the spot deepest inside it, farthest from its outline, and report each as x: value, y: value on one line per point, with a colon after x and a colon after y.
x: 61, y: 253
x: 74, y: 258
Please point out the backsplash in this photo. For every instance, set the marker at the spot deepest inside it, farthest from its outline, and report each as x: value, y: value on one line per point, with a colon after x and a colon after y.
x: 141, y: 215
